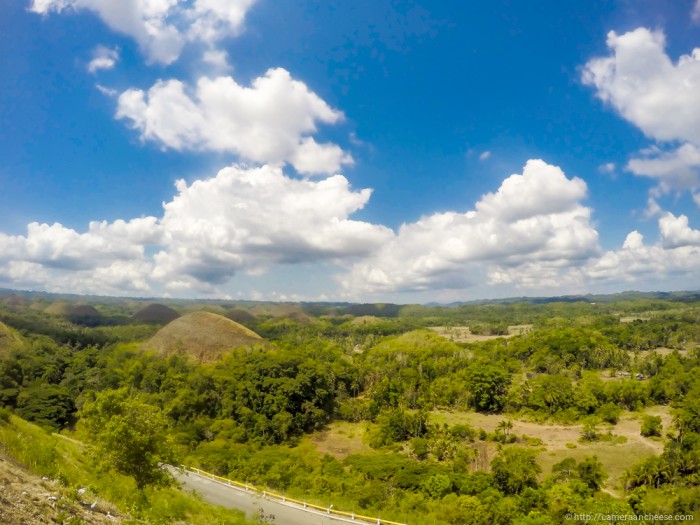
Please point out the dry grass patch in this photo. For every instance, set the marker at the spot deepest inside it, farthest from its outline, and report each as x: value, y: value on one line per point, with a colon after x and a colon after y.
x: 663, y: 351
x: 615, y: 458
x: 462, y: 334
x: 486, y: 421
x: 557, y: 440
x: 341, y: 439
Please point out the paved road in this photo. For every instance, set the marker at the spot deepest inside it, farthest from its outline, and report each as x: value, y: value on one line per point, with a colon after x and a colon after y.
x: 251, y: 503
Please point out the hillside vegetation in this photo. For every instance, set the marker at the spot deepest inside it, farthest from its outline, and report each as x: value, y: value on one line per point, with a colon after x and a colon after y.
x: 379, y: 409
x: 8, y: 340
x: 47, y: 478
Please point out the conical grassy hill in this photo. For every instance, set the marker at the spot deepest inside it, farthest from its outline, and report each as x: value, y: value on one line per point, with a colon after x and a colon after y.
x: 203, y: 336
x: 156, y: 313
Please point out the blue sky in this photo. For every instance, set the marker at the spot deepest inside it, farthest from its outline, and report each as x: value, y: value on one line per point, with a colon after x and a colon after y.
x: 369, y: 151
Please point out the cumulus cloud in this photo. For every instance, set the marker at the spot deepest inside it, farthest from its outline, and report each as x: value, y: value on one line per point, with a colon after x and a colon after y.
x: 161, y: 27
x: 241, y: 220
x: 103, y: 58
x: 213, y: 20
x: 532, y: 233
x: 535, y: 216
x: 659, y: 96
x: 641, y: 82
x: 108, y: 257
x: 249, y: 219
x: 675, y: 232
x: 678, y: 169
x: 638, y: 262
x: 268, y: 122
x: 55, y: 246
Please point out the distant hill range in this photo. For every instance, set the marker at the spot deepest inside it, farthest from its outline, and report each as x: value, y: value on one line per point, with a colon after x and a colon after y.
x: 202, y: 336
x: 681, y: 297
x: 81, y: 308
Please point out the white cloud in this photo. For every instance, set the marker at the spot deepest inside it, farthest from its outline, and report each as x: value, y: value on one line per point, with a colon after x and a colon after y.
x: 641, y: 82
x: 637, y: 262
x: 241, y: 220
x: 653, y: 209
x: 107, y: 258
x: 678, y: 169
x: 217, y: 58
x: 675, y: 232
x: 103, y: 58
x: 659, y: 96
x: 55, y: 246
x: 484, y: 155
x: 533, y: 217
x: 695, y: 14
x: 268, y: 122
x: 250, y: 219
x: 106, y: 91
x: 313, y: 158
x: 161, y: 27
x: 213, y: 20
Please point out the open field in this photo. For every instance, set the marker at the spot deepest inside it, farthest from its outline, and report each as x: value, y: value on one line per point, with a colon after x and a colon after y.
x: 462, y: 334
x: 662, y: 351
x: 616, y: 457
x: 341, y: 439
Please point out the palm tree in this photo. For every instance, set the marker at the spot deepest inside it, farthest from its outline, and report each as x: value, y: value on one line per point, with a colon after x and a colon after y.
x: 505, y: 426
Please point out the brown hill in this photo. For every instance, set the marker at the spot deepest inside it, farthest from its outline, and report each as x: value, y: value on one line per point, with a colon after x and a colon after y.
x: 16, y: 301
x: 241, y: 316
x: 203, y: 336
x: 66, y: 309
x: 58, y: 308
x: 156, y: 313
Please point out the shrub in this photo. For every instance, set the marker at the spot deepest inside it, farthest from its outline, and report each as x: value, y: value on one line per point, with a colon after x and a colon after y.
x: 651, y: 426
x: 610, y: 413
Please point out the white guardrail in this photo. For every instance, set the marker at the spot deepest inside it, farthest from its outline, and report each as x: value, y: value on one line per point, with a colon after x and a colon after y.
x: 283, y: 499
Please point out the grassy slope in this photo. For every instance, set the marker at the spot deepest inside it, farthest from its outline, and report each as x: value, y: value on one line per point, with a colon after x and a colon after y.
x: 62, y: 458
x: 8, y: 338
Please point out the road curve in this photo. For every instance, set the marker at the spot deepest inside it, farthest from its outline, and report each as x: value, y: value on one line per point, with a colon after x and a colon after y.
x: 218, y: 493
